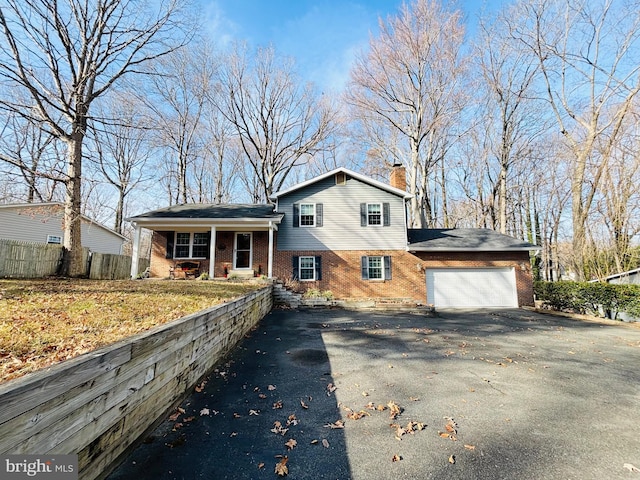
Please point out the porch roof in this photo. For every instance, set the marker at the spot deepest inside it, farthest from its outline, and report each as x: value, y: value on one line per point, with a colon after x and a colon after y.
x: 201, y: 214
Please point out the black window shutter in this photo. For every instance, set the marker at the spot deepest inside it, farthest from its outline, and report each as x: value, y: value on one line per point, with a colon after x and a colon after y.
x: 386, y: 214
x: 318, y: 214
x: 296, y: 267
x: 170, y: 241
x: 208, y: 254
x: 363, y: 214
x: 364, y: 264
x: 318, y: 268
x: 296, y: 215
x: 387, y: 267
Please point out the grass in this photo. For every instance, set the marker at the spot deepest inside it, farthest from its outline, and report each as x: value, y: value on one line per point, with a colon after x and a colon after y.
x: 43, y: 322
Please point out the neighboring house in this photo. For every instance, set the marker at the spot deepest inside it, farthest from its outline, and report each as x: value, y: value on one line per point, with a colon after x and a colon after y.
x: 42, y: 223
x: 346, y: 233
x: 630, y: 277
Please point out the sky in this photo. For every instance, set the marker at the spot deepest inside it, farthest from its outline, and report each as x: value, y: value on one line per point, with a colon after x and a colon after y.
x: 323, y: 36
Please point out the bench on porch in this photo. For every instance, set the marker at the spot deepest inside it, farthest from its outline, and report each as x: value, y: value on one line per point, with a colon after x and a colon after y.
x: 190, y: 269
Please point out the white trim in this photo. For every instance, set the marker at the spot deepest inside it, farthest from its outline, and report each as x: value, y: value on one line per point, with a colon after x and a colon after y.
x: 313, y: 207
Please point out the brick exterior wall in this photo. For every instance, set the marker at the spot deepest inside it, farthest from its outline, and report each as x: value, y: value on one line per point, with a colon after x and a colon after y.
x: 342, y: 276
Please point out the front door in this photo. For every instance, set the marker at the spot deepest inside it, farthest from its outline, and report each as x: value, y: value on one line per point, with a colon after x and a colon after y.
x: 242, y: 251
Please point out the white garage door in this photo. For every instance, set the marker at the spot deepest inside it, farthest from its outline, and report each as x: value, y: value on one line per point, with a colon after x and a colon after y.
x: 472, y: 287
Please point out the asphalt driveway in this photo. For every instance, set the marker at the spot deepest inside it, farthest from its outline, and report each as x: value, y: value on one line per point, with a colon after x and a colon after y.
x: 505, y: 394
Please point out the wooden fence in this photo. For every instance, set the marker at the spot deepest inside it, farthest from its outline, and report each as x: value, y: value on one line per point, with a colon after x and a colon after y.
x: 38, y: 260
x: 106, y: 266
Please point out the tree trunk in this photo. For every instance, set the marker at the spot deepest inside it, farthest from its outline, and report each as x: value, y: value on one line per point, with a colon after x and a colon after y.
x: 72, y: 264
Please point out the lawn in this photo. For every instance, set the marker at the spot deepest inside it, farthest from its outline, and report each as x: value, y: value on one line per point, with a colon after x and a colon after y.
x: 47, y: 321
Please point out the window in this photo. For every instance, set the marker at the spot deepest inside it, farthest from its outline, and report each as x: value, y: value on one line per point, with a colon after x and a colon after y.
x: 191, y: 245
x: 307, y: 215
x: 183, y: 241
x: 54, y: 239
x: 200, y: 244
x: 374, y: 214
x: 307, y: 268
x: 376, y: 268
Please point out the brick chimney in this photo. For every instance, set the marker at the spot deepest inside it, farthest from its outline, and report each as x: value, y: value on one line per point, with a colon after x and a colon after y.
x: 398, y: 177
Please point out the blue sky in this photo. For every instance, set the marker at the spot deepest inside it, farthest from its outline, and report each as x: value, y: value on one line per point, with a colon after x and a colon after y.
x: 322, y: 36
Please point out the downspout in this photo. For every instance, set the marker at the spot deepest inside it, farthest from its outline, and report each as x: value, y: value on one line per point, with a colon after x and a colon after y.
x: 270, y: 262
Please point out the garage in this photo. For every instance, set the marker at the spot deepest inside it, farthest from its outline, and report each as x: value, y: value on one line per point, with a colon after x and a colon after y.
x: 472, y: 287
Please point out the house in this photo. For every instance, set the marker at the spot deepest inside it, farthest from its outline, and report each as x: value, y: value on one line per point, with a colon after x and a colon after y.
x: 631, y: 277
x: 346, y: 233
x: 42, y: 223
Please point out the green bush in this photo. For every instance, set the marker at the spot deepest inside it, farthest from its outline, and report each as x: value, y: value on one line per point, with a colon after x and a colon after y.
x: 597, y: 298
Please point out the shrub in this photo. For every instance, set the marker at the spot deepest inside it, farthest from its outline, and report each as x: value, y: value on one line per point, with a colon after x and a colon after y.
x: 597, y: 298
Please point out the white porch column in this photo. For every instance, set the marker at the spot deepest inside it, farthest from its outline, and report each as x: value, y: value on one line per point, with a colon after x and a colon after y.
x: 135, y: 254
x: 270, y: 265
x: 212, y: 253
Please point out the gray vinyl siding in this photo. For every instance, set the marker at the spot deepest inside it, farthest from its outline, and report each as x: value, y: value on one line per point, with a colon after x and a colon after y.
x: 34, y: 224
x: 341, y: 229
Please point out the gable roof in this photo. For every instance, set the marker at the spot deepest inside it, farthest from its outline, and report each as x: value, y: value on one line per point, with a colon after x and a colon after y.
x: 357, y: 176
x: 212, y: 211
x: 55, y: 206
x: 464, y: 240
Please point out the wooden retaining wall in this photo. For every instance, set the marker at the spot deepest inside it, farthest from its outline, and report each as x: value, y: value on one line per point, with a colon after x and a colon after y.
x: 97, y: 405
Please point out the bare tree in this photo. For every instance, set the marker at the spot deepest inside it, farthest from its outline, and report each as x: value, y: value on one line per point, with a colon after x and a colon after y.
x: 279, y: 121
x: 588, y: 54
x: 406, y: 92
x: 120, y: 149
x: 177, y: 102
x: 33, y: 158
x: 64, y: 55
x: 511, y: 118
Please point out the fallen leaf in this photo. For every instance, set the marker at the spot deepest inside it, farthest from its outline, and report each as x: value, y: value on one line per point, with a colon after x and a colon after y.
x: 291, y: 443
x: 452, y: 459
x: 199, y: 388
x: 365, y: 394
x: 292, y: 420
x: 358, y: 415
x: 396, y: 458
x: 254, y: 412
x: 204, y: 411
x: 381, y: 408
x: 331, y: 388
x: 262, y: 395
x: 261, y: 465
x: 394, y: 408
x: 174, y: 417
x: 271, y: 387
x: 236, y: 415
x: 470, y: 447
x: 233, y: 434
x: 177, y: 426
x: 277, y: 405
x: 631, y: 468
x: 281, y: 467
x: 188, y: 419
x: 414, y: 399
x: 325, y: 443
x: 303, y: 405
x: 314, y: 441
x: 336, y: 424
